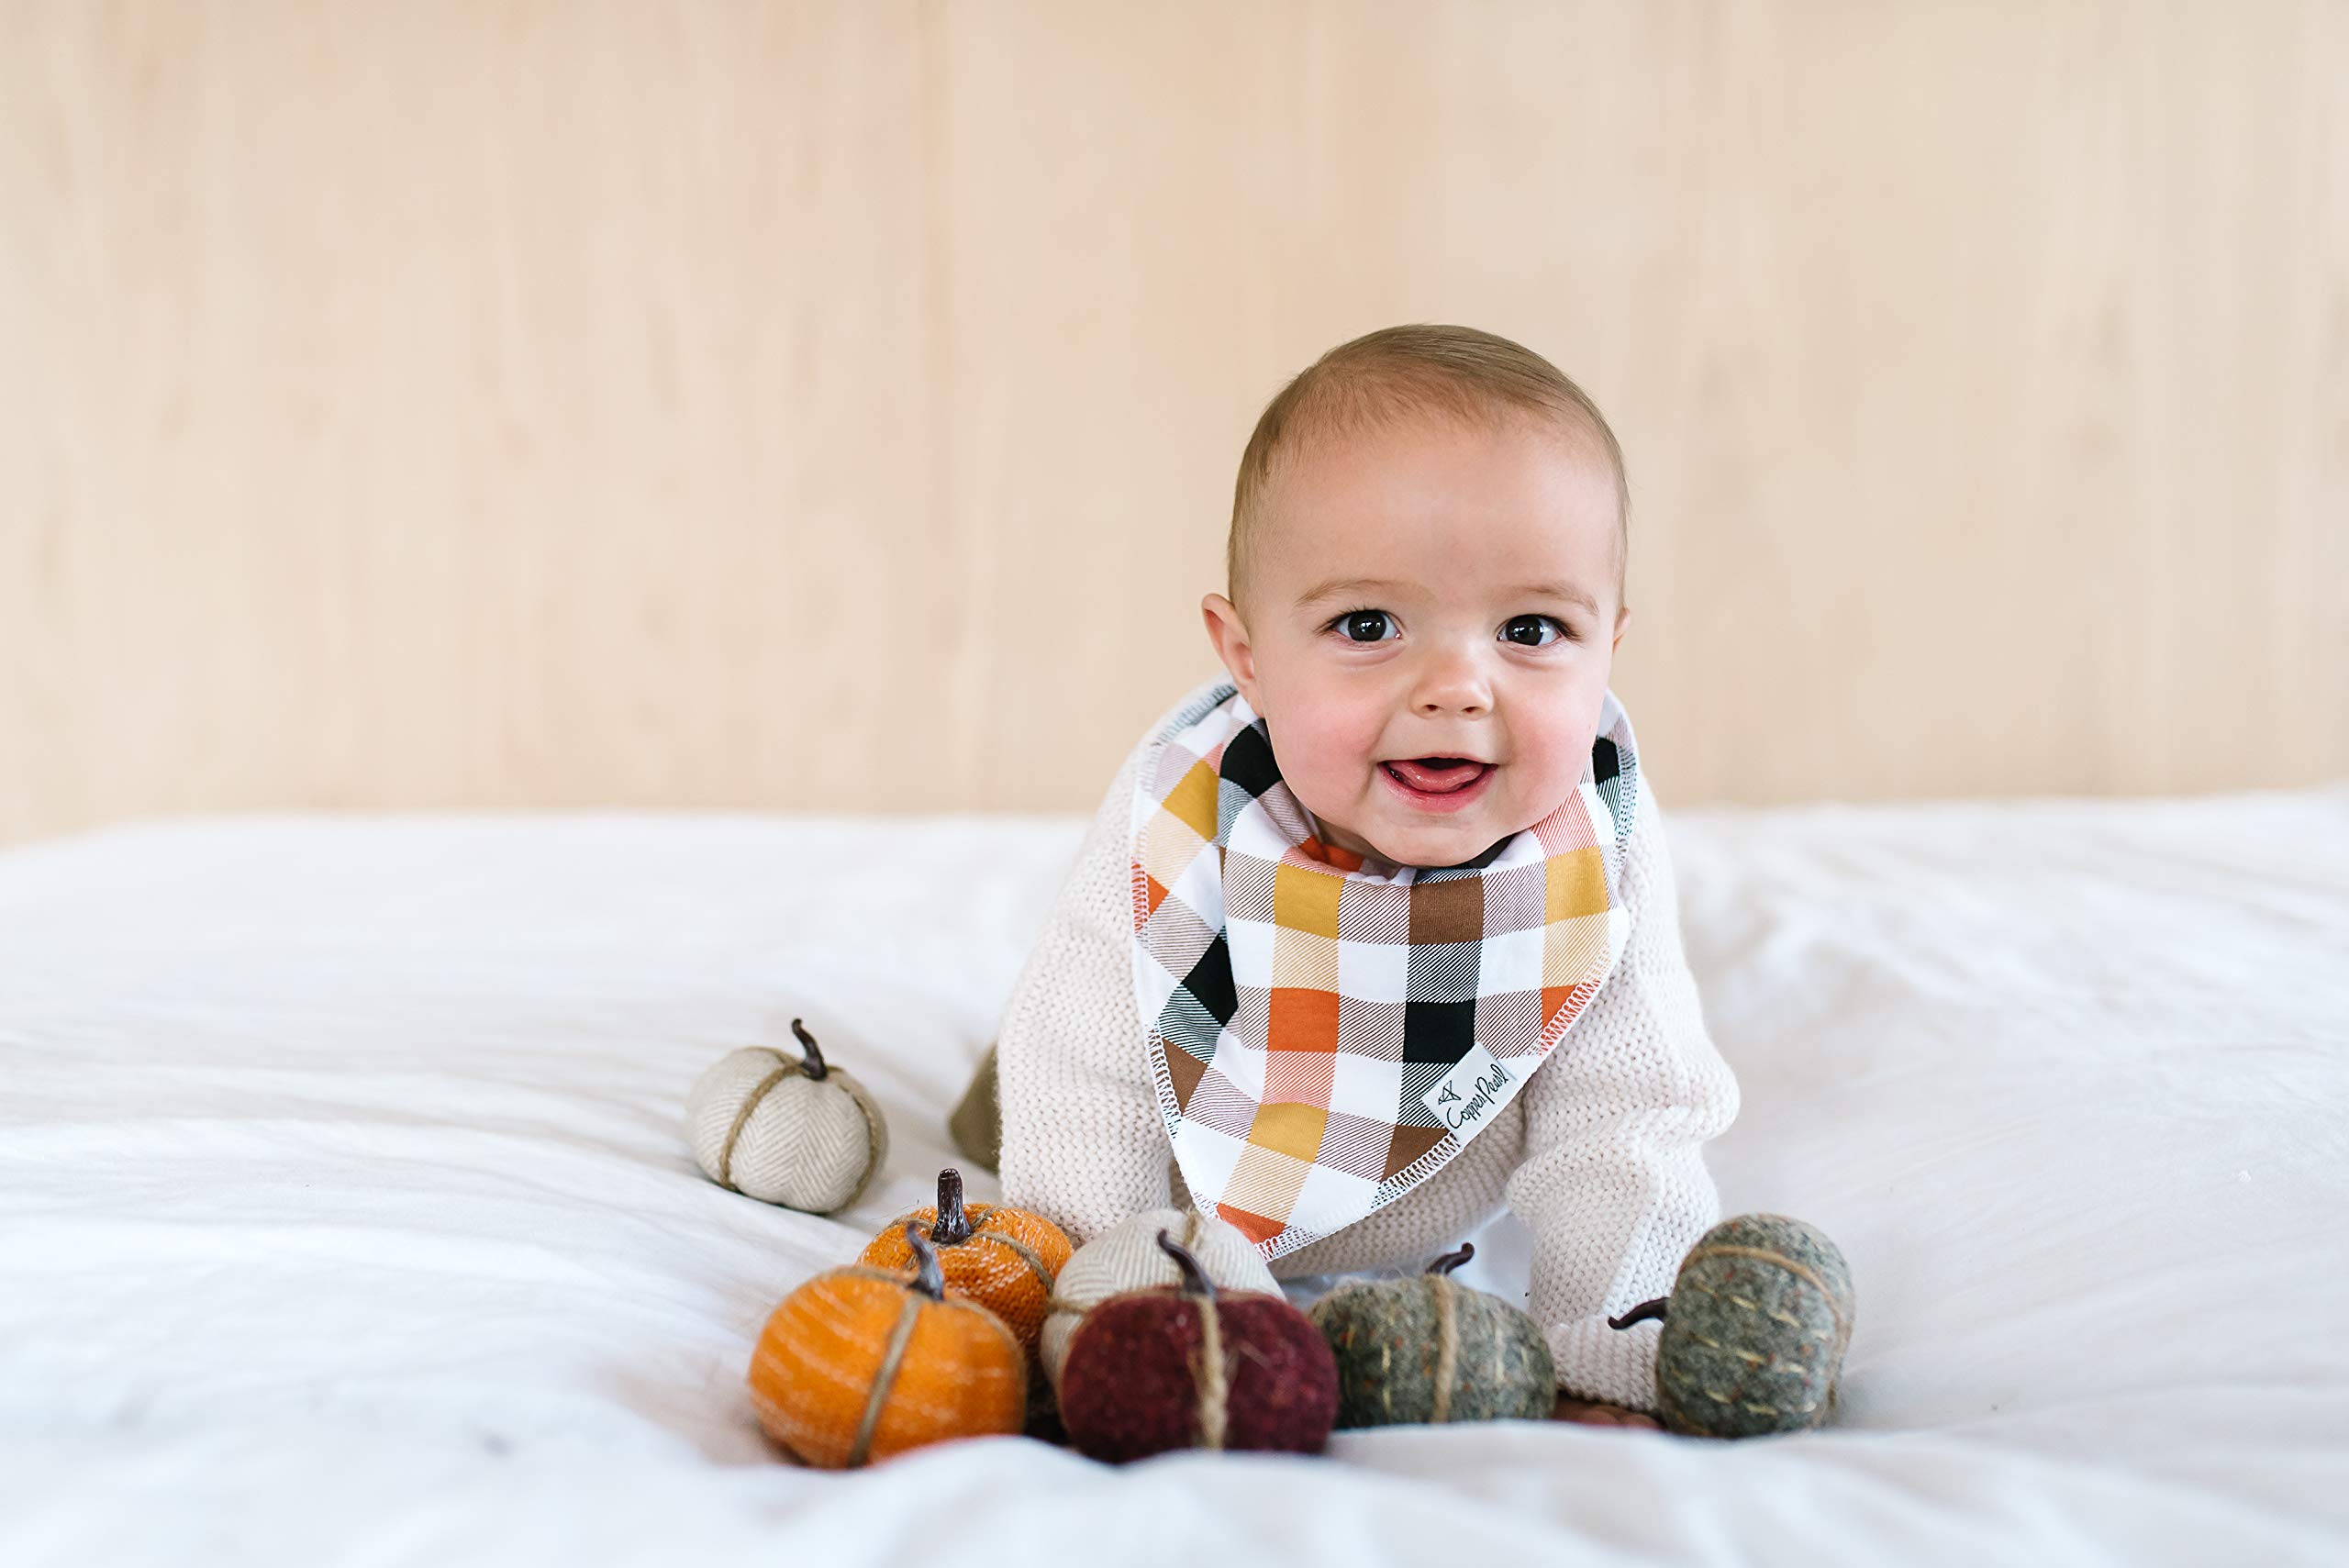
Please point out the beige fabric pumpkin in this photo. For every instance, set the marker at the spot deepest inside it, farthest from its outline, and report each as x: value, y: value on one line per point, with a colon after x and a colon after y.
x: 792, y: 1131
x: 1128, y: 1257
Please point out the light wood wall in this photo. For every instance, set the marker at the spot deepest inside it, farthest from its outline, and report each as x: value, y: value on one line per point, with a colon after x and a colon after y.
x: 541, y: 403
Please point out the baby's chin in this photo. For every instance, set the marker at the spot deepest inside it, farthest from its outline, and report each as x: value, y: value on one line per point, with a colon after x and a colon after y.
x: 1430, y: 844
x: 1429, y: 850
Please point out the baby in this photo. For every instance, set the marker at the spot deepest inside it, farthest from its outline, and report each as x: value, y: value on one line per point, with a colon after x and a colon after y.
x: 1379, y: 933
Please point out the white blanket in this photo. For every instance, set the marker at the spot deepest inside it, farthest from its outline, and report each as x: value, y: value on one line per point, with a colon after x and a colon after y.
x: 346, y: 1215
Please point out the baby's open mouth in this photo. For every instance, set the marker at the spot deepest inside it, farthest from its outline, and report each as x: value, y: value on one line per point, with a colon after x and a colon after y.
x: 1437, y: 775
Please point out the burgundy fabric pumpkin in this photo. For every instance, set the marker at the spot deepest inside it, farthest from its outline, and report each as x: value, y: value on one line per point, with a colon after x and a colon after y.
x: 1178, y: 1367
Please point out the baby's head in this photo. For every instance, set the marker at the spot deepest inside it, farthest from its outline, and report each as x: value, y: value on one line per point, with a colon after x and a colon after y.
x: 1426, y: 564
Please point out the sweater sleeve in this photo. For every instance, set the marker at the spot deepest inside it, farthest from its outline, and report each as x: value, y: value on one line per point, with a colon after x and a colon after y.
x: 1083, y: 1141
x: 1612, y: 1181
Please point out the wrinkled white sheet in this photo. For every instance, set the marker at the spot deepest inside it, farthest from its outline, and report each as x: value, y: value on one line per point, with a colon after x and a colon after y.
x: 346, y: 1217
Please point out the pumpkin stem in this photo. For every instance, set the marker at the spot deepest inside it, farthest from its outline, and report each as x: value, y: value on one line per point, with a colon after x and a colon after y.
x: 953, y: 1226
x: 1452, y: 1260
x: 813, y: 1065
x: 1641, y: 1314
x: 928, y: 1278
x: 1195, y: 1278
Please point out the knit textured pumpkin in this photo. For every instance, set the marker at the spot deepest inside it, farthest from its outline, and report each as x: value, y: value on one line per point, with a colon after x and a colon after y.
x: 860, y: 1364
x: 1428, y: 1349
x: 1005, y: 1259
x: 1128, y: 1257
x: 1184, y: 1367
x: 1754, y: 1329
x: 793, y: 1130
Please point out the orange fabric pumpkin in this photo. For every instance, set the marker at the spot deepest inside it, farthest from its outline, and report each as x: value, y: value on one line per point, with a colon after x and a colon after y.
x: 1004, y: 1259
x: 862, y: 1362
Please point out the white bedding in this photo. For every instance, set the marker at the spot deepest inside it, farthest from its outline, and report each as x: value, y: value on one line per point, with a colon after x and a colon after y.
x: 346, y: 1216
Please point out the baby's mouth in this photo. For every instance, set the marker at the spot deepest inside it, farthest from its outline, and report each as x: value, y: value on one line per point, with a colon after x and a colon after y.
x: 1437, y: 775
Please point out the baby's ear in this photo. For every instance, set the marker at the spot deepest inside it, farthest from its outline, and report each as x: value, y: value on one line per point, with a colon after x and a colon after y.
x: 1229, y: 636
x: 1622, y: 623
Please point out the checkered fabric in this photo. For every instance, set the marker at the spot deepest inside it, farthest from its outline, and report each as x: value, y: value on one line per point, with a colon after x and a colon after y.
x: 1327, y: 1033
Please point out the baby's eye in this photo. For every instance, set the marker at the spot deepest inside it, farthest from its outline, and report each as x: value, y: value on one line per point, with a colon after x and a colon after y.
x: 1528, y: 630
x: 1365, y: 626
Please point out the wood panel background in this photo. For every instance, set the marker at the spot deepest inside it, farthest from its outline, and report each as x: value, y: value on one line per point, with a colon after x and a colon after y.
x: 540, y: 403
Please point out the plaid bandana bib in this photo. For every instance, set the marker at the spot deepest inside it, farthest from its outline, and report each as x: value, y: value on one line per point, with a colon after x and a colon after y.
x: 1326, y: 1036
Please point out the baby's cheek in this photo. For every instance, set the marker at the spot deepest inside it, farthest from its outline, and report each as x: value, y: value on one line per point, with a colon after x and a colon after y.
x: 1549, y: 768
x: 1326, y: 747
x: 1323, y: 760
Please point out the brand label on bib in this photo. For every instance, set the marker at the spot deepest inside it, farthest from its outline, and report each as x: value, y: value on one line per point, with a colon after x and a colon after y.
x: 1466, y: 1098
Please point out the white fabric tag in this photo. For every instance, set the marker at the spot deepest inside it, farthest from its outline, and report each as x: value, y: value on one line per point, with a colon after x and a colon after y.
x: 1466, y: 1099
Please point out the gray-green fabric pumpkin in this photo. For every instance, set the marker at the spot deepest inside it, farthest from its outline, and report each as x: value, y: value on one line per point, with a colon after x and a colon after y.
x: 1754, y: 1329
x: 976, y: 1122
x: 1428, y: 1349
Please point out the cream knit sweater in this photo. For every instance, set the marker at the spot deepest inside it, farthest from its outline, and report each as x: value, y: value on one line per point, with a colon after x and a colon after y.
x: 1600, y: 1154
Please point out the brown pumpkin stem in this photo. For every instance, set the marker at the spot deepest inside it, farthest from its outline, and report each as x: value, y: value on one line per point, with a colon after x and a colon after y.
x: 1641, y: 1314
x: 813, y: 1063
x: 953, y: 1226
x: 1452, y: 1260
x: 1195, y: 1278
x: 928, y: 1278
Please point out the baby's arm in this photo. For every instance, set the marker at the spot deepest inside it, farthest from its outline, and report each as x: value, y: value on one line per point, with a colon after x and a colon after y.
x: 1613, y: 1183
x: 1083, y: 1141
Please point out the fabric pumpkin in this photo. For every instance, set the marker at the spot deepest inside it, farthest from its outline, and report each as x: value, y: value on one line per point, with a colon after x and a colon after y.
x: 1428, y: 1349
x: 1128, y: 1257
x: 1754, y: 1329
x: 791, y: 1130
x: 1183, y: 1367
x: 859, y: 1363
x: 1005, y: 1259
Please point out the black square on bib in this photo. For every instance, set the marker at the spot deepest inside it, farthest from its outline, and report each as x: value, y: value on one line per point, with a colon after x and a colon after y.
x: 1437, y: 1031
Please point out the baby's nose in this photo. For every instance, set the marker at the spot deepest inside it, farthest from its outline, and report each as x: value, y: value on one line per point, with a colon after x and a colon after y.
x: 1450, y: 690
x: 1448, y: 677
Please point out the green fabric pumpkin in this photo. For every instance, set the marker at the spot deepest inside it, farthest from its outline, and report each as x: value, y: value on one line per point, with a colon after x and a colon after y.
x: 1754, y: 1329
x: 1428, y: 1349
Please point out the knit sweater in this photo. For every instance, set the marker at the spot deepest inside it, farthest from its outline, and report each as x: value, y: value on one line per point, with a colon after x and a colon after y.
x: 1600, y: 1154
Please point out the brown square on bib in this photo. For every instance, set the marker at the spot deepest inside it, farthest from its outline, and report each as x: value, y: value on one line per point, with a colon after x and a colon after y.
x: 1452, y: 910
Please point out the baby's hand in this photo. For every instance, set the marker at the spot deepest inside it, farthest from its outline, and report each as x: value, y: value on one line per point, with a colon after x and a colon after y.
x: 1592, y: 1414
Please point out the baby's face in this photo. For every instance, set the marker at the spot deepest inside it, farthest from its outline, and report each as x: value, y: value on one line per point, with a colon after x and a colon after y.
x: 1432, y: 617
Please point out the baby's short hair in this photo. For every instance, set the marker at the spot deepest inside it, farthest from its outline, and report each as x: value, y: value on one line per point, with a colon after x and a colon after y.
x: 1397, y: 372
